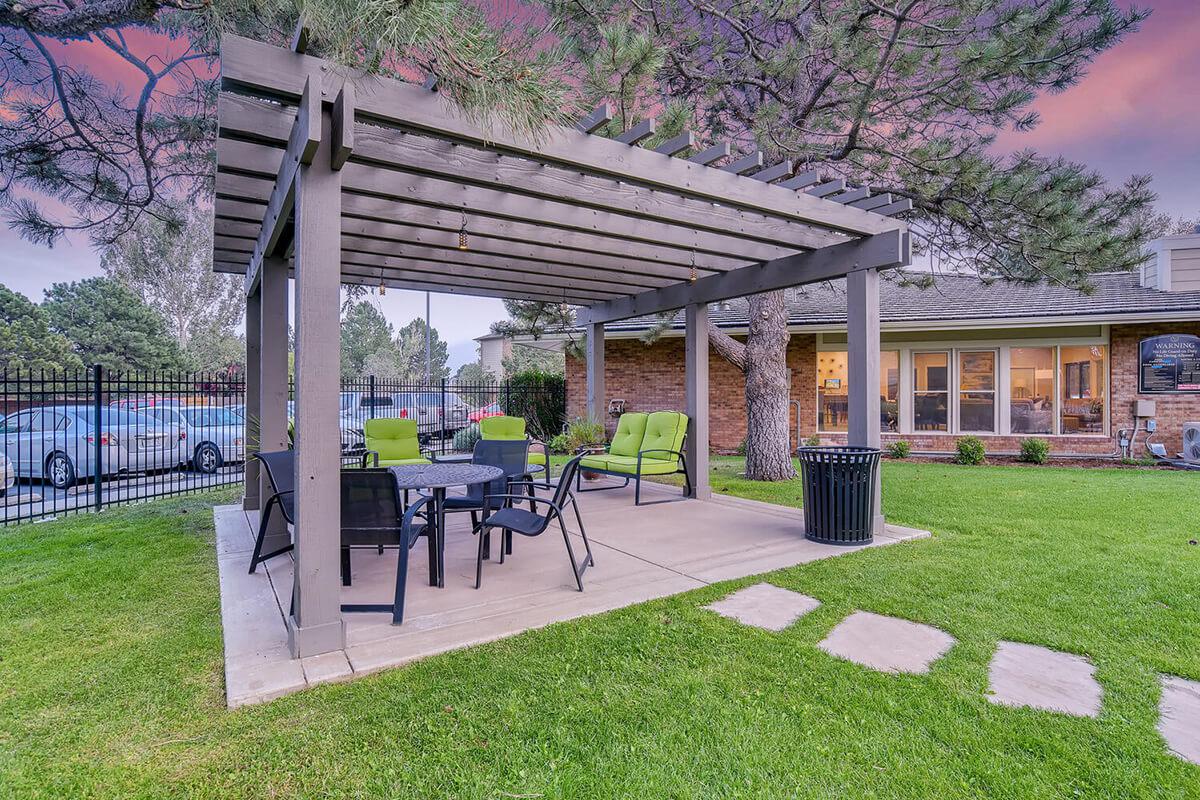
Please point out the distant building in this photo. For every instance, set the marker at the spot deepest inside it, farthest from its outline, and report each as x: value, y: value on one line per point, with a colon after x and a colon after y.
x: 493, y: 349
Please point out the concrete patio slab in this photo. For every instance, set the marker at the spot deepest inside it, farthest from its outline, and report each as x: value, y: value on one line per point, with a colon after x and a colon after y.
x: 764, y: 605
x: 1029, y: 676
x: 1179, y: 717
x: 641, y: 553
x: 887, y: 644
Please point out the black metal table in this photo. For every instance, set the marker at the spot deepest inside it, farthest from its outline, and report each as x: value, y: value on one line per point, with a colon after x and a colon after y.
x: 437, y: 478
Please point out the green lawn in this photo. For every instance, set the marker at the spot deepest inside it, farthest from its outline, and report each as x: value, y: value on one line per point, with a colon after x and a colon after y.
x: 110, y: 667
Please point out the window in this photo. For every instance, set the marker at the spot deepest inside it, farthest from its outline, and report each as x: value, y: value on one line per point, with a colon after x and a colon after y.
x: 889, y: 390
x: 833, y: 395
x: 931, y: 390
x: 1031, y: 398
x: 977, y: 392
x: 1084, y: 382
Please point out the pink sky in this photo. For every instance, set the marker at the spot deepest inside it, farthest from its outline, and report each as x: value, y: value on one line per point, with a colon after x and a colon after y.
x: 1137, y: 111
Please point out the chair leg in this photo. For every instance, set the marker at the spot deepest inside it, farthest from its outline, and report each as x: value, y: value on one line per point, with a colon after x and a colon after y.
x: 571, y: 554
x: 479, y: 560
x: 637, y: 489
x: 687, y: 477
x: 345, y: 566
x: 401, y: 585
x: 262, y: 534
x: 586, y: 544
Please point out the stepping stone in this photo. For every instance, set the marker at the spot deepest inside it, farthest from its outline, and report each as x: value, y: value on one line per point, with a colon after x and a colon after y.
x: 887, y: 644
x: 1179, y: 717
x: 765, y: 606
x: 1025, y: 675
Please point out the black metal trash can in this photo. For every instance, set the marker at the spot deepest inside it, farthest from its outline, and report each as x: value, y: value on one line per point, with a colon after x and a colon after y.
x: 839, y: 487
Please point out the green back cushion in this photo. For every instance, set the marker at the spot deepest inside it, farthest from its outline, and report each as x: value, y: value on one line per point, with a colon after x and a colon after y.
x: 628, y: 438
x: 503, y: 428
x: 664, y: 431
x: 392, y: 438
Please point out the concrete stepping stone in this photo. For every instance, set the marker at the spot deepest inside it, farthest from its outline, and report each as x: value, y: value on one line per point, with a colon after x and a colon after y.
x: 887, y: 644
x: 764, y: 605
x: 1029, y: 676
x: 1179, y: 717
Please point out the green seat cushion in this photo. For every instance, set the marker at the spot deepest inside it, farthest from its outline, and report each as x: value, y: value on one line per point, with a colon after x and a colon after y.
x: 594, y: 462
x: 650, y: 466
x: 398, y: 462
x: 628, y: 438
x: 502, y: 428
x: 665, y: 430
x: 394, y: 439
x: 536, y: 457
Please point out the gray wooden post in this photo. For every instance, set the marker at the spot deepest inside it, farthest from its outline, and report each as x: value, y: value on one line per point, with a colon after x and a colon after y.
x: 273, y: 380
x: 596, y: 405
x: 862, y: 304
x: 316, y: 625
x: 696, y: 366
x: 251, y: 495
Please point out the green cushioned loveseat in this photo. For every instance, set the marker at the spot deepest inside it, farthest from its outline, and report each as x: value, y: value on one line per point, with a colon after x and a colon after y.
x: 644, y: 444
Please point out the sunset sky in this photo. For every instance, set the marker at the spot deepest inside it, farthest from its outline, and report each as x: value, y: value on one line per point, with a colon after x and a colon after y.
x: 1137, y: 111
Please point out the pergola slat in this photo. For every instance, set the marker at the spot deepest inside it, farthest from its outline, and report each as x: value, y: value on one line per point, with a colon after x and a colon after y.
x: 600, y: 116
x: 827, y: 188
x: 774, y: 172
x: 873, y: 202
x: 744, y: 164
x: 638, y: 133
x: 801, y: 181
x: 861, y: 193
x: 898, y: 207
x: 677, y: 144
x: 256, y: 67
x: 711, y: 154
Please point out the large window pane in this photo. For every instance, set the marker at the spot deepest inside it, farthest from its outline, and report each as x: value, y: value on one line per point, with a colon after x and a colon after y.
x: 977, y: 392
x: 832, y: 403
x: 931, y: 391
x: 1031, y: 375
x: 1084, y: 382
x: 889, y: 390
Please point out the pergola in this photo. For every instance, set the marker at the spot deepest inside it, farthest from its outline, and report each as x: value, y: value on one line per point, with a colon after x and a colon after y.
x: 334, y: 177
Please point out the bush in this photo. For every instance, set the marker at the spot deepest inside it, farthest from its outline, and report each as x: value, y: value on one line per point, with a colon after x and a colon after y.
x: 1035, y: 451
x: 970, y: 450
x: 813, y: 441
x: 583, y: 432
x: 899, y: 449
x: 540, y: 398
x: 465, y: 439
x: 559, y: 444
x: 741, y: 448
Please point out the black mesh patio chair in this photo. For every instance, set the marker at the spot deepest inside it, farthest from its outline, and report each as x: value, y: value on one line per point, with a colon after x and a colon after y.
x: 280, y: 467
x: 530, y: 523
x: 510, y: 456
x: 372, y: 519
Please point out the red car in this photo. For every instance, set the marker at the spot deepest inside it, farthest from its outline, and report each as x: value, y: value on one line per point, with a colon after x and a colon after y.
x: 490, y: 410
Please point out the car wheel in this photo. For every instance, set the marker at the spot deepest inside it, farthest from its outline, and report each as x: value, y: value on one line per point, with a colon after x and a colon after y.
x: 207, y: 458
x: 60, y: 471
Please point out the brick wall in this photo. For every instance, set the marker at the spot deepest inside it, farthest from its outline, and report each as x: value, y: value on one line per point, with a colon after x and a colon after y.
x: 651, y: 377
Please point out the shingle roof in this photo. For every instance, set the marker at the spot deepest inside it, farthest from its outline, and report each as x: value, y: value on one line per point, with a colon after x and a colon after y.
x: 957, y: 297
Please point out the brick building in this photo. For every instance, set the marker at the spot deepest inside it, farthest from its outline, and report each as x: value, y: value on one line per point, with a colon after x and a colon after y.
x: 1000, y: 361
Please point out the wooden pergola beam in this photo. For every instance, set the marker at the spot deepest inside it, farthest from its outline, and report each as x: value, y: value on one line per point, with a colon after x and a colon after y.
x: 600, y: 116
x: 881, y: 251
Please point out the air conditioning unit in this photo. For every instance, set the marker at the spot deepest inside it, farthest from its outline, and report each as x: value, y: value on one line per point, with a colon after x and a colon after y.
x: 1191, y: 442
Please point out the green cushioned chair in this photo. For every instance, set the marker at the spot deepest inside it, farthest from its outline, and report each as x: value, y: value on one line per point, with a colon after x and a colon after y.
x: 644, y: 444
x: 513, y: 429
x: 392, y: 443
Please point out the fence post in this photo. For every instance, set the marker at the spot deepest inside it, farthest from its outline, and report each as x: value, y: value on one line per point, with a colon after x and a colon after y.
x: 98, y: 450
x: 507, y: 396
x: 442, y: 446
x: 372, y: 400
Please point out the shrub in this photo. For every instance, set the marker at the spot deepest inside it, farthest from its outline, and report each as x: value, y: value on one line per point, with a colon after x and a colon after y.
x: 970, y: 450
x: 1035, y: 451
x: 559, y: 444
x: 899, y: 449
x: 813, y: 441
x: 540, y: 398
x: 741, y: 448
x: 465, y: 439
x: 583, y: 432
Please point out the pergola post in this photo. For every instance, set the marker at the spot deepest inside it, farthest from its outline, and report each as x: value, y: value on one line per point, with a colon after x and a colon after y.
x: 316, y: 623
x: 696, y: 368
x: 596, y: 404
x: 272, y: 396
x: 862, y: 317
x: 251, y: 495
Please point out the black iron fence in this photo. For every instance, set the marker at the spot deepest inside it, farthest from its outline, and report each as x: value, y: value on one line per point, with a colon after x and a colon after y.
x: 80, y: 441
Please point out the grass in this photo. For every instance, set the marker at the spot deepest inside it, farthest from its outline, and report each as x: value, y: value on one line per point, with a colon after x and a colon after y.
x: 110, y: 667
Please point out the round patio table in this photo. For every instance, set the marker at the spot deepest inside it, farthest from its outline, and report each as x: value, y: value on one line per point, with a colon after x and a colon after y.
x: 438, y: 478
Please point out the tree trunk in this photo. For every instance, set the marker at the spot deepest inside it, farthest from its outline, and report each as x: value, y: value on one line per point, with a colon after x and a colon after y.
x: 763, y: 360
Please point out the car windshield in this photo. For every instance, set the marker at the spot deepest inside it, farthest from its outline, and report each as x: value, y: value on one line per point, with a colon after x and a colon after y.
x: 119, y: 416
x: 210, y: 417
x: 378, y: 401
x: 428, y: 398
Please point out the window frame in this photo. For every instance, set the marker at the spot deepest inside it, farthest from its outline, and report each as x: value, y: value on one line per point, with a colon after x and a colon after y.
x: 958, y: 428
x: 951, y: 380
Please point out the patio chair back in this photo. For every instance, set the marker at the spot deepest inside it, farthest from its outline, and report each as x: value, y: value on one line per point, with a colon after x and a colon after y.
x: 563, y: 489
x: 502, y: 428
x: 665, y: 430
x: 280, y: 466
x: 392, y: 439
x: 631, y: 429
x: 507, y: 454
x: 371, y: 508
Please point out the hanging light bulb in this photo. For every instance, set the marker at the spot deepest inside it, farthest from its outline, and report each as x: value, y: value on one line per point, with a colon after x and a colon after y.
x: 462, y: 233
x: 693, y: 276
x: 382, y: 286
